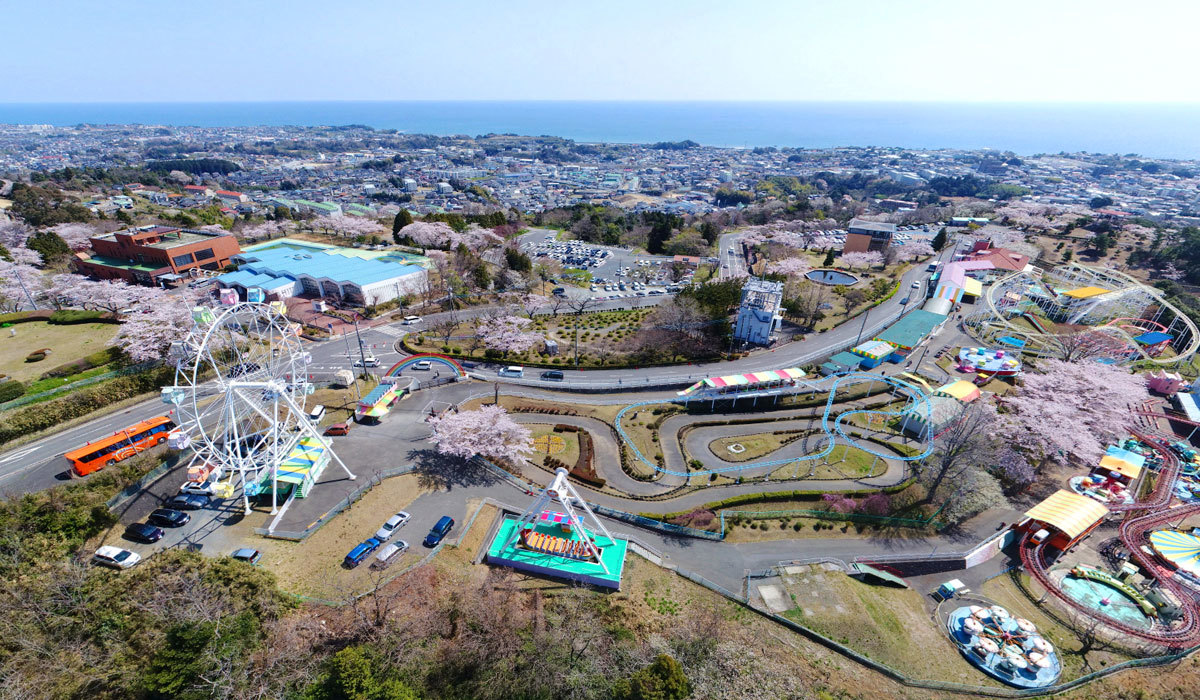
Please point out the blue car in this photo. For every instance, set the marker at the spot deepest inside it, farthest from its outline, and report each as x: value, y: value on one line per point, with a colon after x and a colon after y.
x: 362, y: 551
x: 439, y: 531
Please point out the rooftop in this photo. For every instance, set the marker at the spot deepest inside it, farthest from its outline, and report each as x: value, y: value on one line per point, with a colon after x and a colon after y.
x: 911, y: 328
x: 1068, y: 512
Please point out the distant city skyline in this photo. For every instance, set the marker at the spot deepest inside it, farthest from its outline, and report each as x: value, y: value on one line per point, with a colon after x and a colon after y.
x: 671, y: 50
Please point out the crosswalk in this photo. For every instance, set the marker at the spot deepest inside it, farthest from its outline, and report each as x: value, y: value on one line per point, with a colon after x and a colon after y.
x: 390, y: 331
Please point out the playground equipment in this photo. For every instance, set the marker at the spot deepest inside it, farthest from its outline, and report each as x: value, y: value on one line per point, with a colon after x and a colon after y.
x: 1114, y: 307
x: 914, y: 398
x: 239, y: 391
x: 1006, y: 648
x: 999, y: 363
x: 1086, y: 572
x: 1133, y: 532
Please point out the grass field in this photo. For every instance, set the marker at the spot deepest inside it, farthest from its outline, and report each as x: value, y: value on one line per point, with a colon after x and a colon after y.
x: 562, y: 446
x: 339, y: 403
x: 67, y: 343
x: 757, y: 445
x: 888, y: 624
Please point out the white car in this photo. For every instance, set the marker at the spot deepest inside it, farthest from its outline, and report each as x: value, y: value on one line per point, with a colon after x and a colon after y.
x: 393, y: 523
x: 423, y: 364
x: 411, y: 320
x: 389, y: 553
x: 368, y: 361
x: 116, y: 557
x: 199, y: 488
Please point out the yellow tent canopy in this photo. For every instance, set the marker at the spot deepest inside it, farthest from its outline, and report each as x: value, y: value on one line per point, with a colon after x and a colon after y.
x: 1068, y: 512
x: 1120, y: 466
x: 1086, y: 292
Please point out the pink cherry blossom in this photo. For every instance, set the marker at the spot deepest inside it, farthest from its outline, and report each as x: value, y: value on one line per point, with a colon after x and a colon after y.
x: 77, y: 236
x: 507, y: 334
x: 856, y: 260
x: 487, y: 431
x: 792, y: 267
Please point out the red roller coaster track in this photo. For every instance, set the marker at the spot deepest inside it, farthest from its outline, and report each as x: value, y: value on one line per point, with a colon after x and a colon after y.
x: 1133, y: 533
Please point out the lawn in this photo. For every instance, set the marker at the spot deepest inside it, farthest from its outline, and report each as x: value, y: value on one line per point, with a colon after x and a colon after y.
x: 66, y: 342
x: 339, y: 403
x: 561, y: 446
x: 844, y: 462
x: 888, y: 624
x: 756, y: 445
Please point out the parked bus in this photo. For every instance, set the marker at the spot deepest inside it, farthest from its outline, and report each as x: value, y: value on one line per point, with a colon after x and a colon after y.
x: 122, y: 444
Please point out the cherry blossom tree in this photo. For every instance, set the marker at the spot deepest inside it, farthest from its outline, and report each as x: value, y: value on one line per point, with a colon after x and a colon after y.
x: 1071, y: 409
x: 77, y: 236
x: 13, y: 234
x: 855, y: 260
x: 158, y: 320
x: 1170, y: 272
x: 792, y: 267
x: 487, y: 431
x: 347, y: 226
x: 21, y: 285
x: 437, y: 234
x: 914, y: 249
x: 108, y: 295
x: 507, y: 334
x: 839, y: 503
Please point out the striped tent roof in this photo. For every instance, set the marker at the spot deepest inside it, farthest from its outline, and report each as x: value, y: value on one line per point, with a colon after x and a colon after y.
x: 948, y: 292
x: 747, y: 379
x: 1068, y: 512
x: 300, y: 461
x: 874, y: 349
x: 1179, y: 548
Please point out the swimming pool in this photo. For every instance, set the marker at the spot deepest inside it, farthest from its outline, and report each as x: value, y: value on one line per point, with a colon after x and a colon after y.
x: 832, y: 277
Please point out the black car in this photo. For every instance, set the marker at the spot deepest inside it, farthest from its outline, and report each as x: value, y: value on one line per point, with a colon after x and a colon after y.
x: 187, y: 501
x: 142, y: 532
x: 242, y: 368
x: 165, y: 517
x: 552, y: 375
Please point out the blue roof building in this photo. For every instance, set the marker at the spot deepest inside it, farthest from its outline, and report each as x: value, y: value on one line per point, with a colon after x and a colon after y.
x: 325, y: 273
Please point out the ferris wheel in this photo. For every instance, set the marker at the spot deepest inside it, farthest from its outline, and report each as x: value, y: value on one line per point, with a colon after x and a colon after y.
x: 241, y: 381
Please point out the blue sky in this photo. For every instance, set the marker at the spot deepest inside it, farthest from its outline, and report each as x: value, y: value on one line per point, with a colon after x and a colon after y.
x: 932, y: 50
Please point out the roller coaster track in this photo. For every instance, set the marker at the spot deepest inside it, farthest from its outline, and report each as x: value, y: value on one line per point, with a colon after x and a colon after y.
x: 1133, y: 534
x: 1041, y: 344
x: 832, y: 429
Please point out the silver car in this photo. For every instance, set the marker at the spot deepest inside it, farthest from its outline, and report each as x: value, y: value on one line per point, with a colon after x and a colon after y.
x: 393, y: 523
x: 389, y: 553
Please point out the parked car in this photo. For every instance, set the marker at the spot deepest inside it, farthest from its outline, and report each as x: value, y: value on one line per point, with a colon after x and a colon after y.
x: 248, y: 555
x: 360, y: 552
x: 338, y: 429
x: 187, y: 501
x: 144, y: 533
x: 165, y: 517
x: 199, y: 488
x: 389, y: 554
x: 512, y: 371
x: 115, y: 557
x: 439, y: 531
x: 904, y: 301
x: 316, y: 413
x: 242, y: 368
x: 552, y: 375
x: 393, y: 523
x: 916, y: 285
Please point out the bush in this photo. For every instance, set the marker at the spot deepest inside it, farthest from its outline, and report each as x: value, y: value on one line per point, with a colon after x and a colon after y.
x: 69, y: 316
x: 36, y: 356
x: 96, y: 359
x: 10, y: 390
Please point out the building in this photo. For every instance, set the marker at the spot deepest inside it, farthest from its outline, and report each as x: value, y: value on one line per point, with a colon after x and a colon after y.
x: 758, y: 315
x: 910, y: 331
x: 1067, y: 517
x: 323, y: 273
x: 157, y: 254
x: 864, y: 236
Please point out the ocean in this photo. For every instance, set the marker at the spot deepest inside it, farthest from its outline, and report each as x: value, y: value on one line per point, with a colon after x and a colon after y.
x: 1153, y: 130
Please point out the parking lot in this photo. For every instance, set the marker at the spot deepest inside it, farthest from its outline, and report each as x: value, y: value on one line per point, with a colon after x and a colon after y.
x: 610, y: 267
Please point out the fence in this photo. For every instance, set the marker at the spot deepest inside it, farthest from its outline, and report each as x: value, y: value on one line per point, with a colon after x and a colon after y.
x: 374, y: 480
x: 49, y: 393
x: 651, y: 524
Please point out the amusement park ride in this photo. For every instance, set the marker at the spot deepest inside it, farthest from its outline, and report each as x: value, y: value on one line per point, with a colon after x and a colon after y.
x: 241, y: 381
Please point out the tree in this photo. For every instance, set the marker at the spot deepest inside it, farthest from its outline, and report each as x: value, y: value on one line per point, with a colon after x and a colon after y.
x: 76, y: 236
x: 1084, y: 345
x: 790, y: 267
x: 854, y: 296
x: 354, y: 673
x: 914, y: 249
x: 578, y: 306
x: 21, y: 285
x: 854, y: 260
x: 507, y: 334
x: 1071, y: 409
x: 346, y: 226
x: 49, y: 245
x: 939, y: 241
x: 662, y: 680
x: 160, y: 320
x: 487, y: 431
x: 1100, y: 202
x: 403, y: 218
x: 688, y: 242
x: 952, y: 474
x: 828, y: 261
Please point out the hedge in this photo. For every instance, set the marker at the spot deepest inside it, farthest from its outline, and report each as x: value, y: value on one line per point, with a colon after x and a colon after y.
x: 772, y: 496
x: 11, y: 390
x: 33, y: 418
x: 69, y: 316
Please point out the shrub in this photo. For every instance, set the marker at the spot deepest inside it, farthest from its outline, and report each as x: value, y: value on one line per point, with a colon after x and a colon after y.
x: 36, y: 356
x: 68, y: 316
x: 10, y: 390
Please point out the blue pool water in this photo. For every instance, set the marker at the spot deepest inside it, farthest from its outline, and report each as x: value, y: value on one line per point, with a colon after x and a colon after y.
x: 1119, y: 607
x: 832, y: 277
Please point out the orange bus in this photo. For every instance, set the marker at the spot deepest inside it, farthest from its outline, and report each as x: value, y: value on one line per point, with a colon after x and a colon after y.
x: 122, y: 444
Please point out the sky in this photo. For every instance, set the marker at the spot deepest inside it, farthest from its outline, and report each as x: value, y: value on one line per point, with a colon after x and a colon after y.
x: 741, y: 50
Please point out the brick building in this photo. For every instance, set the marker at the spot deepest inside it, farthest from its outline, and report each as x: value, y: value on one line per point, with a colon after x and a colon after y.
x: 157, y: 254
x: 868, y: 236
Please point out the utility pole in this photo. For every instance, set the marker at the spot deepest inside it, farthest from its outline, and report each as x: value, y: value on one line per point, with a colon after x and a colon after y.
x: 863, y: 327
x: 349, y: 358
x: 361, y: 354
